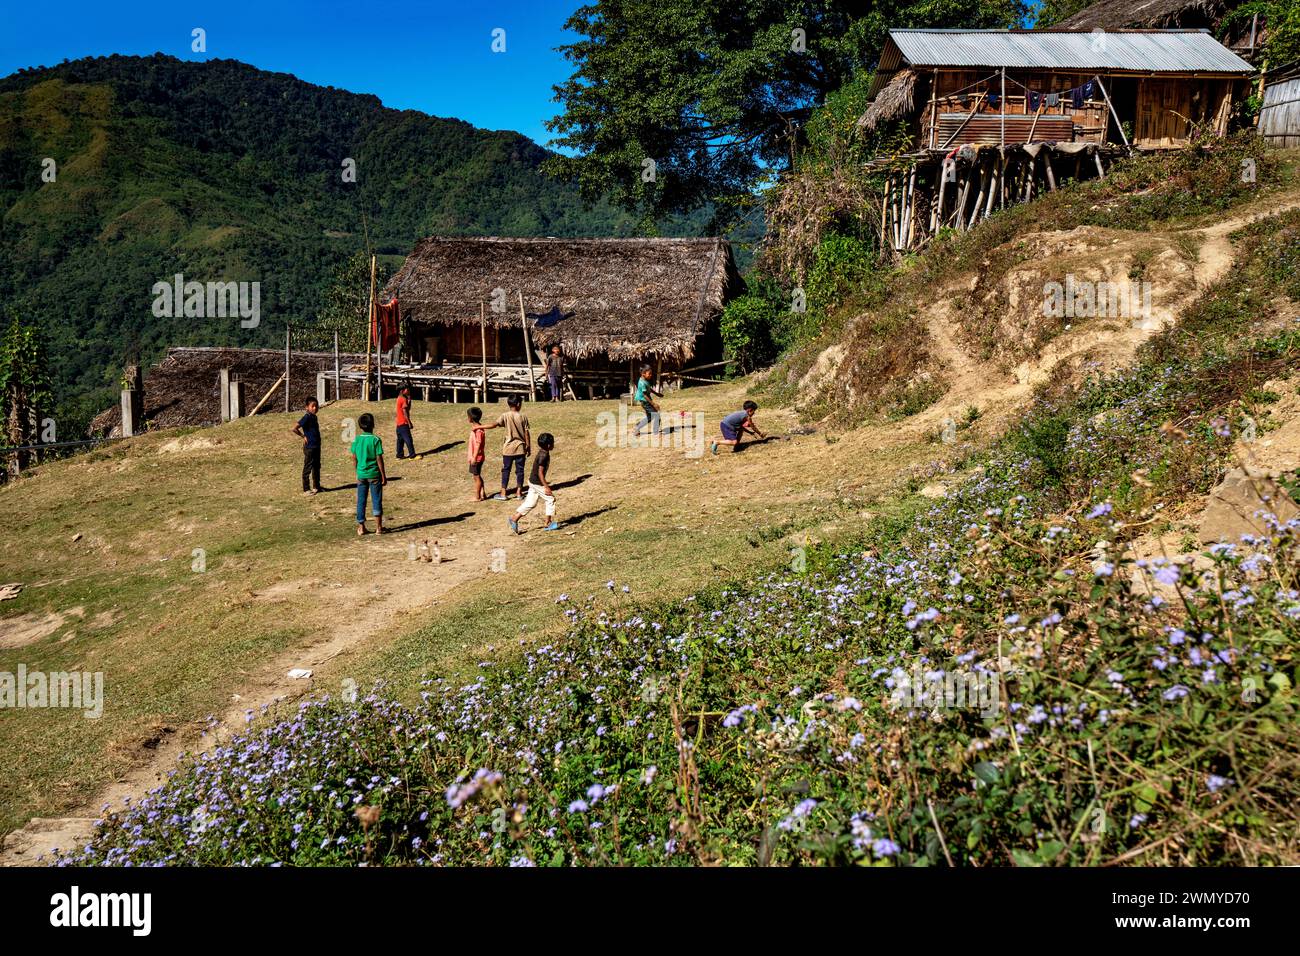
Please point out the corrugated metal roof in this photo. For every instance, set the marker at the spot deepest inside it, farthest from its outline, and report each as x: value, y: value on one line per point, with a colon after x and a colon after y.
x: 1159, y: 51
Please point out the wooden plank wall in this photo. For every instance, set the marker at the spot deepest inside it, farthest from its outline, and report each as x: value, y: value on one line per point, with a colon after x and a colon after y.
x: 1164, y: 105
x: 1091, y: 118
x: 1167, y: 108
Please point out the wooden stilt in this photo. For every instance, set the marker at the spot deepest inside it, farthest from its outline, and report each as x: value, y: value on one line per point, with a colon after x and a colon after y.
x: 482, y: 333
x: 911, y: 219
x: 884, y: 215
x: 528, y: 350
x: 936, y: 212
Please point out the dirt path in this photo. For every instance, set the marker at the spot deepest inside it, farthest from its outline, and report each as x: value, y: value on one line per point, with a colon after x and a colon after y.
x: 371, y: 591
x: 1104, y: 343
x: 381, y: 601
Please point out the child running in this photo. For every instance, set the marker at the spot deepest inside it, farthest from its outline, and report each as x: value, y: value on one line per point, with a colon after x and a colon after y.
x: 643, y: 392
x: 736, y: 424
x: 539, y: 486
x: 477, y: 441
x: 367, y: 453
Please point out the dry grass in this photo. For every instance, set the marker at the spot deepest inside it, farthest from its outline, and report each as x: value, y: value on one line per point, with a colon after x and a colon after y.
x: 287, y: 583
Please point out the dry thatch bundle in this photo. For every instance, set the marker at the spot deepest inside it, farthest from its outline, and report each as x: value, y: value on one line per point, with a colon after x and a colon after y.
x: 183, y: 388
x: 896, y: 100
x: 630, y: 298
x: 1148, y: 14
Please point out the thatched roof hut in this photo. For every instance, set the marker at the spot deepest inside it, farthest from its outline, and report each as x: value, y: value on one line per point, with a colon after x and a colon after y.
x: 1151, y: 14
x: 627, y: 299
x: 896, y: 101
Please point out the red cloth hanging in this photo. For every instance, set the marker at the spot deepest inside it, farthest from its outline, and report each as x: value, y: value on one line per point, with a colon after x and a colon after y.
x: 390, y: 322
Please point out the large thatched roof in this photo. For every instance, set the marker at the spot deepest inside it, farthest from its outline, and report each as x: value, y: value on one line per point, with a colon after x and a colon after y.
x: 1130, y: 14
x: 630, y: 298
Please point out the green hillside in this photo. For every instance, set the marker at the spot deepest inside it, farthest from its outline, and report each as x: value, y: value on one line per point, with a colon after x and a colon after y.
x: 222, y: 171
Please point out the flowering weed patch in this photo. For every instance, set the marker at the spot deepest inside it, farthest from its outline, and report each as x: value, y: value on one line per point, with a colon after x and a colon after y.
x: 779, y: 720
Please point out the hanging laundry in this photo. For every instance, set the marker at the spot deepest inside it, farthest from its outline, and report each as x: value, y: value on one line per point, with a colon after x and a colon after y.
x: 993, y: 100
x: 389, y: 322
x: 1076, y: 97
x: 1087, y: 90
x: 1033, y: 101
x: 1053, y: 100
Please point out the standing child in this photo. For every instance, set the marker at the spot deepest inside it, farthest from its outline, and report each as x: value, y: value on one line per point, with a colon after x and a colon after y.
x: 404, y: 423
x: 539, y: 486
x: 644, y: 389
x: 518, y: 446
x: 368, y: 455
x: 477, y: 455
x: 308, y: 429
x: 555, y: 373
x: 736, y: 424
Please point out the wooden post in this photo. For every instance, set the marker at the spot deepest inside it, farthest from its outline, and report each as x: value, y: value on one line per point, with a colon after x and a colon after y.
x: 370, y: 331
x: 995, y: 182
x: 223, y: 386
x: 379, y: 358
x: 236, y: 399
x: 482, y: 332
x: 1047, y: 164
x: 269, y: 392
x: 934, y: 106
x: 288, y: 331
x: 911, y: 219
x: 884, y: 214
x: 979, y: 98
x: 338, y: 392
x: 128, y: 414
x: 1118, y: 125
x: 1002, y: 102
x: 936, y: 214
x: 528, y: 350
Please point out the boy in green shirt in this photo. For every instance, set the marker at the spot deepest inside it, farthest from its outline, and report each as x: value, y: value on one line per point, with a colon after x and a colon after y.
x: 644, y: 389
x: 367, y: 453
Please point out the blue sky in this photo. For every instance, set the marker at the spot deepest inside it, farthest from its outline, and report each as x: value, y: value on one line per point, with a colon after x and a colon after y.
x: 429, y: 55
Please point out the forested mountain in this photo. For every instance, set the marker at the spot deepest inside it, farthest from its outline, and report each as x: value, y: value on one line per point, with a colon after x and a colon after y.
x: 224, y: 172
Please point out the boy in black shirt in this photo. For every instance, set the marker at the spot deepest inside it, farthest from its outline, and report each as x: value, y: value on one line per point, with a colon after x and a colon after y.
x: 308, y: 429
x: 539, y: 486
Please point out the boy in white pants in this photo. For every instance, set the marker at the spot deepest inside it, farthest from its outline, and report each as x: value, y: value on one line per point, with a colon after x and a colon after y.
x: 539, y: 486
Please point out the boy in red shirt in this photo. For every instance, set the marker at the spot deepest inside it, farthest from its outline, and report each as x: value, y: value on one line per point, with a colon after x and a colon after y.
x: 477, y: 441
x: 404, y: 424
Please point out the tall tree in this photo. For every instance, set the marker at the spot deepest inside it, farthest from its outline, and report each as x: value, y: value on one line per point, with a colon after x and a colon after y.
x: 674, y: 104
x: 25, y: 390
x: 343, y: 307
x: 1052, y: 12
